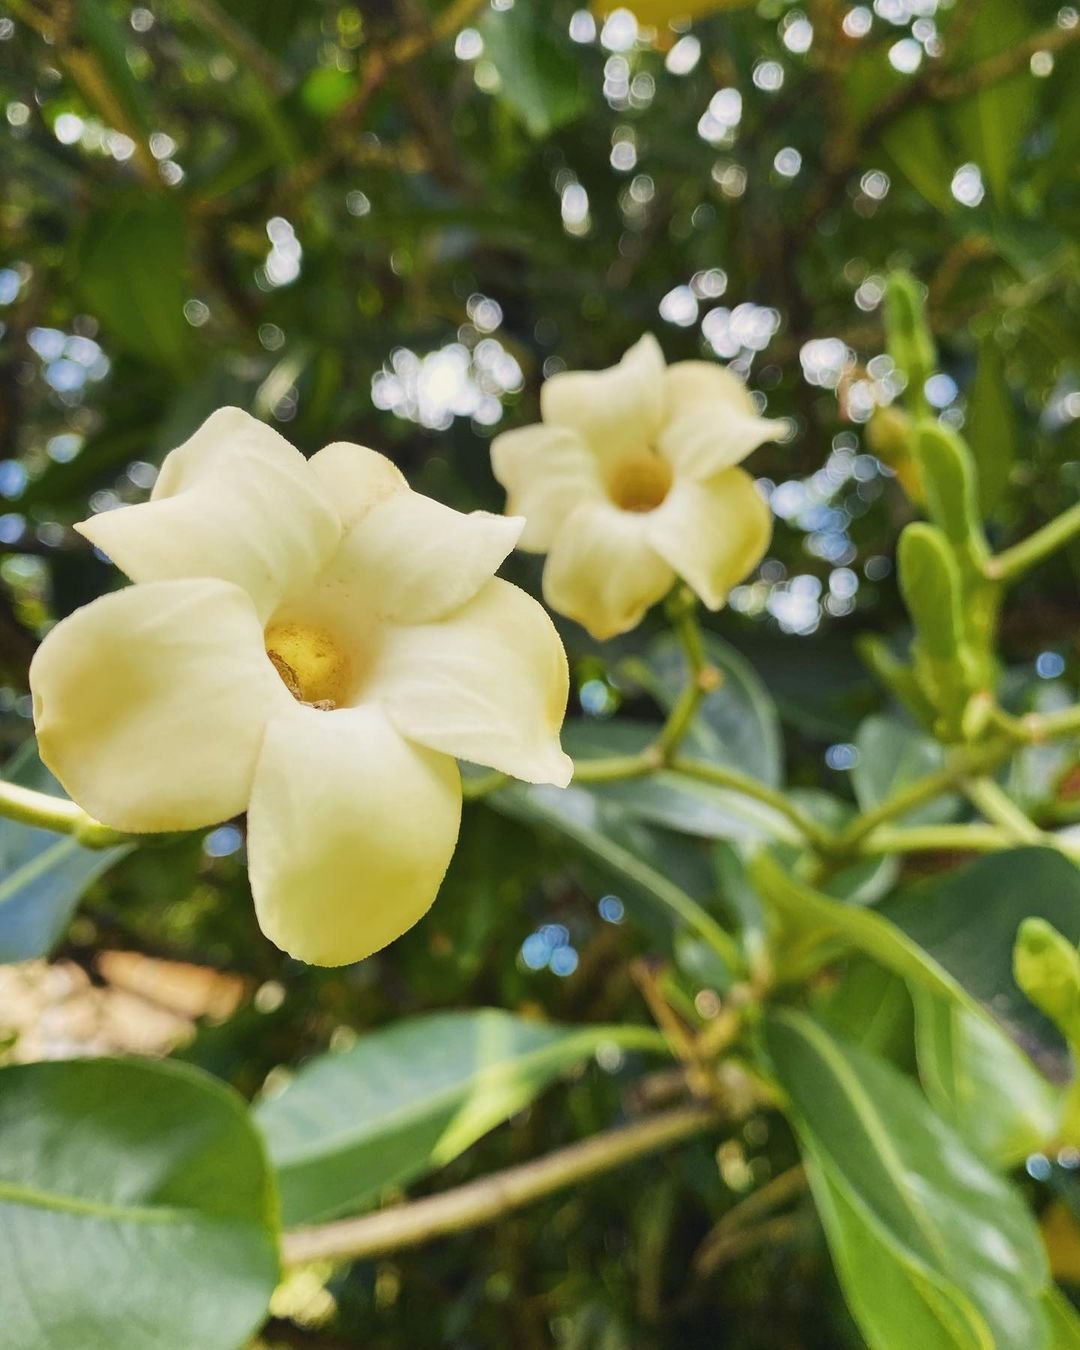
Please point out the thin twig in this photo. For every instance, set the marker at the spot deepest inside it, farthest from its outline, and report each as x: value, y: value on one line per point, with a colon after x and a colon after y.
x: 491, y: 1197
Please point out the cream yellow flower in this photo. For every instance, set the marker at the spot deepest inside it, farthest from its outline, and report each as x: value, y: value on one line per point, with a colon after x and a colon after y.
x: 630, y: 481
x: 312, y: 642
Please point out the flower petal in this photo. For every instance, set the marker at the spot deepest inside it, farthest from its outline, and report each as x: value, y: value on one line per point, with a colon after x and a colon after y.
x: 350, y: 832
x: 488, y: 684
x: 236, y: 502
x: 712, y: 533
x: 547, y: 471
x: 356, y: 478
x: 617, y: 411
x: 603, y: 572
x: 712, y: 422
x: 150, y: 704
x: 417, y: 560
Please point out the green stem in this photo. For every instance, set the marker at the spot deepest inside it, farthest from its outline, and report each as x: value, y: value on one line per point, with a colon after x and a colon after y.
x: 721, y: 776
x: 491, y: 1197
x: 1015, y: 561
x: 55, y: 813
x: 615, y: 768
x: 1002, y: 811
x: 934, y: 839
x: 973, y: 761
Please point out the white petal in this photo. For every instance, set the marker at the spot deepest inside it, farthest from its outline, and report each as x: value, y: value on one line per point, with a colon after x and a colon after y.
x: 547, y: 471
x: 488, y: 684
x: 235, y: 502
x: 713, y: 533
x: 417, y: 560
x: 350, y: 832
x: 617, y: 411
x: 603, y: 572
x: 356, y: 478
x: 150, y: 704
x: 711, y: 421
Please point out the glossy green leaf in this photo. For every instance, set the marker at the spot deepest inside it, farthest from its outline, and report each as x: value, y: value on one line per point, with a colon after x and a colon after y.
x: 409, y: 1098
x: 815, y: 929
x: 136, y: 1209
x: 1063, y: 1321
x: 891, y: 756
x: 965, y: 922
x: 982, y: 1084
x: 130, y: 272
x: 42, y: 874
x: 539, y: 80
x: 933, y: 1249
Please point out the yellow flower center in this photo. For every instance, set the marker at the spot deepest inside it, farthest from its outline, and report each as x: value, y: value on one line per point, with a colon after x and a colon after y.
x: 640, y: 483
x: 311, y: 664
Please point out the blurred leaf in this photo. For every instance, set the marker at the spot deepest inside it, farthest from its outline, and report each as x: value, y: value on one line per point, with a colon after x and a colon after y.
x: 892, y: 755
x: 737, y: 724
x: 131, y: 272
x: 136, y: 1209
x: 647, y: 864
x: 982, y: 1084
x: 932, y: 1248
x: 991, y: 424
x: 966, y: 922
x: 920, y: 151
x: 42, y: 874
x: 409, y: 1098
x: 1063, y: 1321
x: 990, y: 125
x: 541, y: 80
x: 659, y: 13
x: 100, y: 68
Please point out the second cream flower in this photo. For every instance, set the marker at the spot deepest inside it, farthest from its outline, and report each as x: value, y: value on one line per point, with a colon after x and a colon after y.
x: 630, y: 481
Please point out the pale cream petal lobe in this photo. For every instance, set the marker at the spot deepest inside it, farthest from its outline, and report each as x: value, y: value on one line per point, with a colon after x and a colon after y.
x: 617, y: 411
x: 488, y: 684
x: 711, y: 422
x: 235, y: 502
x: 350, y: 831
x: 356, y: 478
x: 418, y: 560
x: 547, y: 471
x: 603, y: 572
x: 712, y: 533
x: 150, y: 704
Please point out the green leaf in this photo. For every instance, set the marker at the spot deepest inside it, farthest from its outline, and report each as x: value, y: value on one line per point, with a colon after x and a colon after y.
x: 1062, y: 1321
x: 982, y: 1084
x: 991, y: 424
x: 816, y: 929
x: 919, y: 149
x: 932, y: 1248
x: 107, y: 81
x: 136, y: 1209
x: 42, y: 874
x: 892, y: 755
x: 648, y: 865
x: 737, y: 723
x: 991, y: 124
x: 670, y: 798
x: 541, y: 81
x: 965, y: 922
x: 411, y: 1097
x: 130, y: 271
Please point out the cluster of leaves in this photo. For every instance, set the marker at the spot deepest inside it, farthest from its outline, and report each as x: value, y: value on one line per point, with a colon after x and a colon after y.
x: 212, y: 201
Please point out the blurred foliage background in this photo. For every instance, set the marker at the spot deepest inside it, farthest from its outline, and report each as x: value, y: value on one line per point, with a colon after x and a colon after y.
x: 386, y: 223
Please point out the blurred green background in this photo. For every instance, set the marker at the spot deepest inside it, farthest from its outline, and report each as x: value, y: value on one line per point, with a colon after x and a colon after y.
x: 386, y: 223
